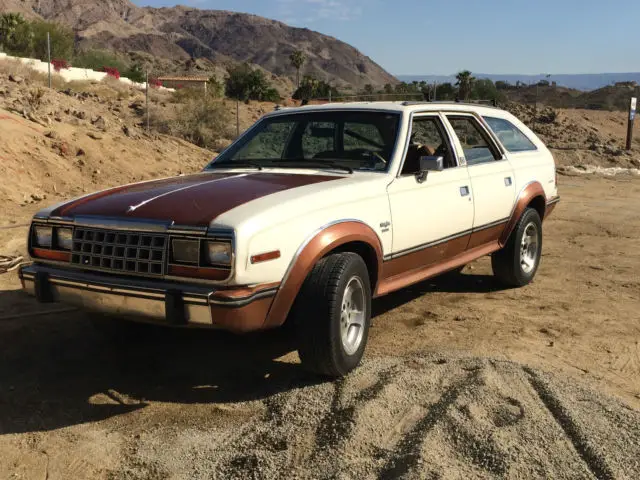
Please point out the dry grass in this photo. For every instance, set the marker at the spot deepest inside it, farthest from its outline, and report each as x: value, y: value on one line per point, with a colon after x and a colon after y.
x: 16, y: 68
x: 204, y: 122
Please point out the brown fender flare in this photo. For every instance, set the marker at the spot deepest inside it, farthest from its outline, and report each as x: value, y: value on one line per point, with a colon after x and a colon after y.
x: 318, y: 246
x: 532, y: 194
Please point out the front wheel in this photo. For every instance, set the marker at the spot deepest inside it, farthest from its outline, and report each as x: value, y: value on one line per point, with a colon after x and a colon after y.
x: 517, y: 263
x: 332, y: 315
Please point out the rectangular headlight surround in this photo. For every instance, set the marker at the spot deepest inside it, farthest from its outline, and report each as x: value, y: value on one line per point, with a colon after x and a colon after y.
x: 63, y: 238
x: 185, y: 251
x: 217, y: 254
x: 42, y: 236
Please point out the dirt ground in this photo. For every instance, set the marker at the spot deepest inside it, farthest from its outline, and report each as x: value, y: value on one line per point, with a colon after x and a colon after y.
x: 461, y: 378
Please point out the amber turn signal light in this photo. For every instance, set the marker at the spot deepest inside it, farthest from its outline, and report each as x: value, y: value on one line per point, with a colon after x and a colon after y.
x: 265, y: 257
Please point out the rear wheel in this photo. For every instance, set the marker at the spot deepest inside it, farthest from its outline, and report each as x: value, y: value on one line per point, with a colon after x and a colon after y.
x: 517, y: 263
x: 332, y: 315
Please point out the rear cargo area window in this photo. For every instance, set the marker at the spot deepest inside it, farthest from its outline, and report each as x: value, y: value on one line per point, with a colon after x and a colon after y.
x: 510, y: 136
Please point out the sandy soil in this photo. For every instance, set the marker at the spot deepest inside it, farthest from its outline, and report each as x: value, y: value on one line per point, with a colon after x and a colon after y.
x: 461, y: 379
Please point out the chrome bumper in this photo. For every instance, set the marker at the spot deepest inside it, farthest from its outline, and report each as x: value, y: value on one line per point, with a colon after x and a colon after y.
x: 163, y: 302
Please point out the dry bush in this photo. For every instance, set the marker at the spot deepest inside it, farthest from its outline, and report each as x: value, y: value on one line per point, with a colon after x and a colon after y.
x: 204, y: 122
x: 16, y: 68
x: 34, y: 99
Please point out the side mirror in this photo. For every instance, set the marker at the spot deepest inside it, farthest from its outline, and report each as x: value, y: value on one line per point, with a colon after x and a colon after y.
x: 429, y: 164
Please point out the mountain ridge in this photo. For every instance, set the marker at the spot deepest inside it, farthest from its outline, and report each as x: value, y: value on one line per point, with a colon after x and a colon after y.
x: 180, y: 33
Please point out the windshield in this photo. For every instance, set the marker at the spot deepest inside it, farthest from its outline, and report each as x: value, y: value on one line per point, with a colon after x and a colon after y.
x: 346, y: 140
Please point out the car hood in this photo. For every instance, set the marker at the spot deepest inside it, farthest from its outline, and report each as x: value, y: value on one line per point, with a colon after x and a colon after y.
x: 188, y: 200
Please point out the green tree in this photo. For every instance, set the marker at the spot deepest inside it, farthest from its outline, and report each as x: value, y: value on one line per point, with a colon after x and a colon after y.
x: 503, y: 85
x: 368, y: 89
x: 298, y: 59
x: 445, y: 91
x: 62, y: 40
x: 245, y: 83
x: 484, y: 89
x: 98, y: 59
x: 311, y: 88
x: 135, y: 73
x: 388, y: 89
x: 465, y: 83
x: 9, y: 22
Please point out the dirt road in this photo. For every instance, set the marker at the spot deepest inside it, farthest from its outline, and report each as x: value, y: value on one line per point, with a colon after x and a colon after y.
x: 461, y: 379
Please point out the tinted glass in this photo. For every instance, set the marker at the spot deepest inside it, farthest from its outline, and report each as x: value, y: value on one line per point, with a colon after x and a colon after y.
x: 360, y: 140
x: 473, y: 140
x: 509, y: 135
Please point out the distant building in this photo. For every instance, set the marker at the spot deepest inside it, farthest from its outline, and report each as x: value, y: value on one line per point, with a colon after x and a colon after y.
x: 184, y: 82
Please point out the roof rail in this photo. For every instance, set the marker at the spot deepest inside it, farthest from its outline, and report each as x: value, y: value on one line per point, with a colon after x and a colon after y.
x: 484, y: 103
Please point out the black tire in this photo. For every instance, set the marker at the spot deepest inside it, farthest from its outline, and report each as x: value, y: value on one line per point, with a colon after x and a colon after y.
x: 507, y: 263
x: 317, y: 315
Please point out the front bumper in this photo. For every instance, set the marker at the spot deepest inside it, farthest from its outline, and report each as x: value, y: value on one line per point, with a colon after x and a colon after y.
x: 162, y: 302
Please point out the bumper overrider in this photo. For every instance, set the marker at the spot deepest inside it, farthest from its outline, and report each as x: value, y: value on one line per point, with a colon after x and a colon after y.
x: 240, y: 309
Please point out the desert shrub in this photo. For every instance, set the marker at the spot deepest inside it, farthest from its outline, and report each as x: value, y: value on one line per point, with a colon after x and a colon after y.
x: 135, y: 73
x: 202, y: 121
x: 245, y: 83
x: 34, y: 98
x: 9, y: 22
x: 98, y: 59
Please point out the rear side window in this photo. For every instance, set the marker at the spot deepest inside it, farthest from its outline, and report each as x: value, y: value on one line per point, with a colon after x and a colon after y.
x: 510, y: 136
x: 475, y: 143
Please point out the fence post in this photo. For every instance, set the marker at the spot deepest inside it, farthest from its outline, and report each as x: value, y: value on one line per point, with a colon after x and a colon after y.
x: 237, y: 118
x: 49, y: 56
x: 147, y: 100
x: 632, y: 117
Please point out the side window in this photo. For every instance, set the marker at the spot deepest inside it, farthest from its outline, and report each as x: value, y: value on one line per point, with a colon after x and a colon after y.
x: 318, y: 139
x: 475, y: 144
x: 427, y: 139
x: 509, y: 135
x: 268, y: 143
x: 365, y: 136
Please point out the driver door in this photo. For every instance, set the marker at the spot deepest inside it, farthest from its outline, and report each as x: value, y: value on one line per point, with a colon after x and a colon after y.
x: 432, y: 220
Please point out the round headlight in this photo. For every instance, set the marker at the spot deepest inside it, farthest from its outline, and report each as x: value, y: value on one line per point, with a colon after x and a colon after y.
x: 218, y: 253
x: 64, y: 238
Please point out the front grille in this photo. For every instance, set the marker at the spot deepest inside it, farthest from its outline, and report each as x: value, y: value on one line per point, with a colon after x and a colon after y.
x: 118, y: 251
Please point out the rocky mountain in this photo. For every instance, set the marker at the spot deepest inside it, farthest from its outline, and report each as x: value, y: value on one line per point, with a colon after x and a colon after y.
x: 181, y: 33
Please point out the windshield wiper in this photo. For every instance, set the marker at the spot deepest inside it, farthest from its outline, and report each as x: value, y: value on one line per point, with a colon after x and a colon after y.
x: 233, y: 164
x: 315, y: 163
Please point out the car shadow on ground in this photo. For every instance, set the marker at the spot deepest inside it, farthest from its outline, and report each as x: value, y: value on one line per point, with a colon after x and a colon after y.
x: 448, y: 283
x: 58, y: 370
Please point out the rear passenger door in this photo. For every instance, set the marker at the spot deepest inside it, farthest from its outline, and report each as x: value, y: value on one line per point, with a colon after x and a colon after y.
x: 491, y: 175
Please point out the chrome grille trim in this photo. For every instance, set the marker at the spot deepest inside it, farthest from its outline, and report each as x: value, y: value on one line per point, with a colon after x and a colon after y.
x: 120, y: 251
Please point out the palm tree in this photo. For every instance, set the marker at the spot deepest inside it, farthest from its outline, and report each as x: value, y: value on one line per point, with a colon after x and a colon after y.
x: 298, y: 58
x: 9, y: 22
x: 465, y: 83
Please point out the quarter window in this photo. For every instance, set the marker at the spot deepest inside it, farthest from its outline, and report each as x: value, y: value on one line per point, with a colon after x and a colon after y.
x: 509, y: 135
x: 475, y: 144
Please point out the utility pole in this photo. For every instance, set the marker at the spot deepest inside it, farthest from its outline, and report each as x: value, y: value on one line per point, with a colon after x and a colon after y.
x: 435, y: 90
x: 49, y: 56
x: 632, y: 117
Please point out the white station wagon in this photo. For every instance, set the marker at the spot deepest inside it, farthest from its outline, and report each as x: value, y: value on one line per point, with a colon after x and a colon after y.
x: 309, y: 215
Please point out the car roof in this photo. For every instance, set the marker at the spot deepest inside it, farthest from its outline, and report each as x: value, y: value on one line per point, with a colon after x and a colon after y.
x: 398, y: 107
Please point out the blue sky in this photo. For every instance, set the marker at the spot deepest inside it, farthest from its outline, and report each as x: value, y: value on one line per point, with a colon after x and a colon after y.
x: 443, y: 37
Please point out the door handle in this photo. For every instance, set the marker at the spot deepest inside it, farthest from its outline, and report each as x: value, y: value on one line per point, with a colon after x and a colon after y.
x: 464, y: 191
x: 507, y: 181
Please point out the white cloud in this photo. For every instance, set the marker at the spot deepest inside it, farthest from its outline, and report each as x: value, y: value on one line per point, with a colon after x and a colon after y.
x: 309, y: 11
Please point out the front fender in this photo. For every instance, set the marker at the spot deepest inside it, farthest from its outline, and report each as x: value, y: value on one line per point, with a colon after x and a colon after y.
x: 317, y: 246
